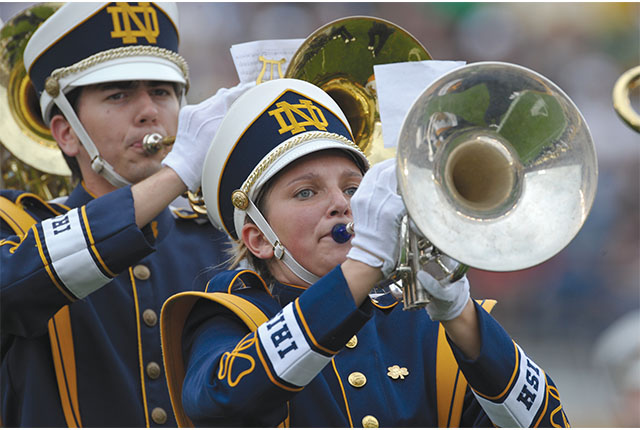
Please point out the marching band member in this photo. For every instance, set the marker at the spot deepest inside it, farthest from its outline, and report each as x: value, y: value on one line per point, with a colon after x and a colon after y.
x: 104, y: 260
x: 297, y: 333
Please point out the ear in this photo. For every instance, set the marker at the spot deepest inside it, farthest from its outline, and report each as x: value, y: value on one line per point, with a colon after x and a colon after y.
x: 64, y: 135
x: 256, y: 242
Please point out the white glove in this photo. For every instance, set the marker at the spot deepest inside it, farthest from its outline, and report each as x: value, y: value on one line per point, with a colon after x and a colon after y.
x: 447, y: 301
x: 377, y: 212
x: 197, y: 125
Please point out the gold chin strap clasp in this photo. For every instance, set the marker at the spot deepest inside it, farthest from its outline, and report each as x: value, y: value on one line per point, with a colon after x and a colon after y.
x: 52, y: 87
x: 240, y: 200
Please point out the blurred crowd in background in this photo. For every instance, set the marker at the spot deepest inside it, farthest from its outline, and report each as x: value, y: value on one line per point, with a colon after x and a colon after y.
x: 560, y: 310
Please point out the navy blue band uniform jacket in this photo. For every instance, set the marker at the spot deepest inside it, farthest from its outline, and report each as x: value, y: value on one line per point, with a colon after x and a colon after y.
x: 89, y: 254
x: 320, y: 361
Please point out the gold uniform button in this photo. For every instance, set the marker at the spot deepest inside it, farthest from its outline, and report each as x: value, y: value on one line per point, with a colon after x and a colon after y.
x: 153, y: 370
x: 370, y: 422
x: 149, y: 317
x: 159, y: 415
x: 141, y: 272
x: 357, y: 379
x: 352, y: 342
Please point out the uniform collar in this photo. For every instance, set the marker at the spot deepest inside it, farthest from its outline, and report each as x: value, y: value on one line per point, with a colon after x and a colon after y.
x: 286, y: 293
x: 79, y: 196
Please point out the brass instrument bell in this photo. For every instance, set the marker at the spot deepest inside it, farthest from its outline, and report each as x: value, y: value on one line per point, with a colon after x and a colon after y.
x: 626, y: 83
x: 339, y: 58
x: 32, y: 160
x: 496, y: 167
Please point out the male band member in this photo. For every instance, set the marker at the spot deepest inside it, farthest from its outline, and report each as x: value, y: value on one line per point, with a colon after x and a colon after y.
x: 105, y: 259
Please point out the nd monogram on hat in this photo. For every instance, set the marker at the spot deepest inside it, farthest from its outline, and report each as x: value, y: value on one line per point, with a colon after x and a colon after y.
x: 89, y: 43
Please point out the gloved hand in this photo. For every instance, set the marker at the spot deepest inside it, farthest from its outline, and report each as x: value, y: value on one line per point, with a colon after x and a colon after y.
x: 377, y: 213
x: 197, y: 125
x: 447, y: 301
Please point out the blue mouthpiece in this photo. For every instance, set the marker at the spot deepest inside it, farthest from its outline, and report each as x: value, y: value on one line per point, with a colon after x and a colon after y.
x: 340, y: 234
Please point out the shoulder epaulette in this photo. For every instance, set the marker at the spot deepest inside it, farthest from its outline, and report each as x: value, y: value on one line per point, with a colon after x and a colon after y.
x: 15, y: 216
x: 34, y: 203
x: 172, y: 317
x: 234, y: 280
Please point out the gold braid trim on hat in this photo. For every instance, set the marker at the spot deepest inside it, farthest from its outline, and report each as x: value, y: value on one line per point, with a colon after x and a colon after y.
x: 288, y: 145
x: 124, y: 52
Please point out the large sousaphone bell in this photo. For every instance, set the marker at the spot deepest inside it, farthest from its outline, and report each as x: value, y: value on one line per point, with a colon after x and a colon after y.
x: 497, y: 169
x: 31, y: 159
x: 339, y: 58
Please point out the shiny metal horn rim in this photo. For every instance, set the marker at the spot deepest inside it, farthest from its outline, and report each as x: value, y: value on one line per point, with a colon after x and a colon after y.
x: 626, y: 83
x: 22, y: 130
x: 555, y: 162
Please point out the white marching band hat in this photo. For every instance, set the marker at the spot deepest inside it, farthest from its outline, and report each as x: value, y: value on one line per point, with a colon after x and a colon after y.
x: 266, y: 129
x: 90, y: 43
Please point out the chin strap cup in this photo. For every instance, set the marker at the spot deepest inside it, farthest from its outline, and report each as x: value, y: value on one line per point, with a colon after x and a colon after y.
x: 105, y: 170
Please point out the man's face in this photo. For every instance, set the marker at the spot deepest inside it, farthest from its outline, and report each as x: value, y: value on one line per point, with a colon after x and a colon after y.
x: 305, y: 202
x: 118, y: 115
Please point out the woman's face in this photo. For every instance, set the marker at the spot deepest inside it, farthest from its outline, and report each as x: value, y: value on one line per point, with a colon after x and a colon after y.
x: 306, y: 200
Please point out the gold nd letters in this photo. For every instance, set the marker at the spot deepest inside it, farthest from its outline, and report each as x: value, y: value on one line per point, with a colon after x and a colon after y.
x: 142, y: 16
x: 271, y: 64
x: 306, y: 115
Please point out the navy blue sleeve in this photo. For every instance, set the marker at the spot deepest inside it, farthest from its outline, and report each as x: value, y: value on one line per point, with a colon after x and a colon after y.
x: 235, y: 377
x: 509, y: 386
x: 62, y: 259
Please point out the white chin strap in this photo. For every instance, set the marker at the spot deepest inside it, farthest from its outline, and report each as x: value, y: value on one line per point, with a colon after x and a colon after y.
x: 280, y: 252
x: 98, y: 164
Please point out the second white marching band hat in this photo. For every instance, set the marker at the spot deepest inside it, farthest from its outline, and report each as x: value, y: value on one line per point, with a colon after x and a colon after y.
x: 89, y: 43
x: 265, y: 130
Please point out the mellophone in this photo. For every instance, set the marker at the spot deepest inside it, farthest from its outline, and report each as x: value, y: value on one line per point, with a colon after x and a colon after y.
x: 496, y: 165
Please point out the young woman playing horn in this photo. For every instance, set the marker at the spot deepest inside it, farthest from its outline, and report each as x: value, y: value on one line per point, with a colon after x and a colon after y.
x: 296, y: 332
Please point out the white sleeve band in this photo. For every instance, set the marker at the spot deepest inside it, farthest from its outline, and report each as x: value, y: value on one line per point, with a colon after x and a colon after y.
x: 523, y: 402
x: 70, y: 256
x: 290, y: 355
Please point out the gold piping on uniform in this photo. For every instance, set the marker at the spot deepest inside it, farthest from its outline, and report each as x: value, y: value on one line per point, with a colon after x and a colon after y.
x: 92, y: 243
x: 140, y: 358
x: 48, y: 265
